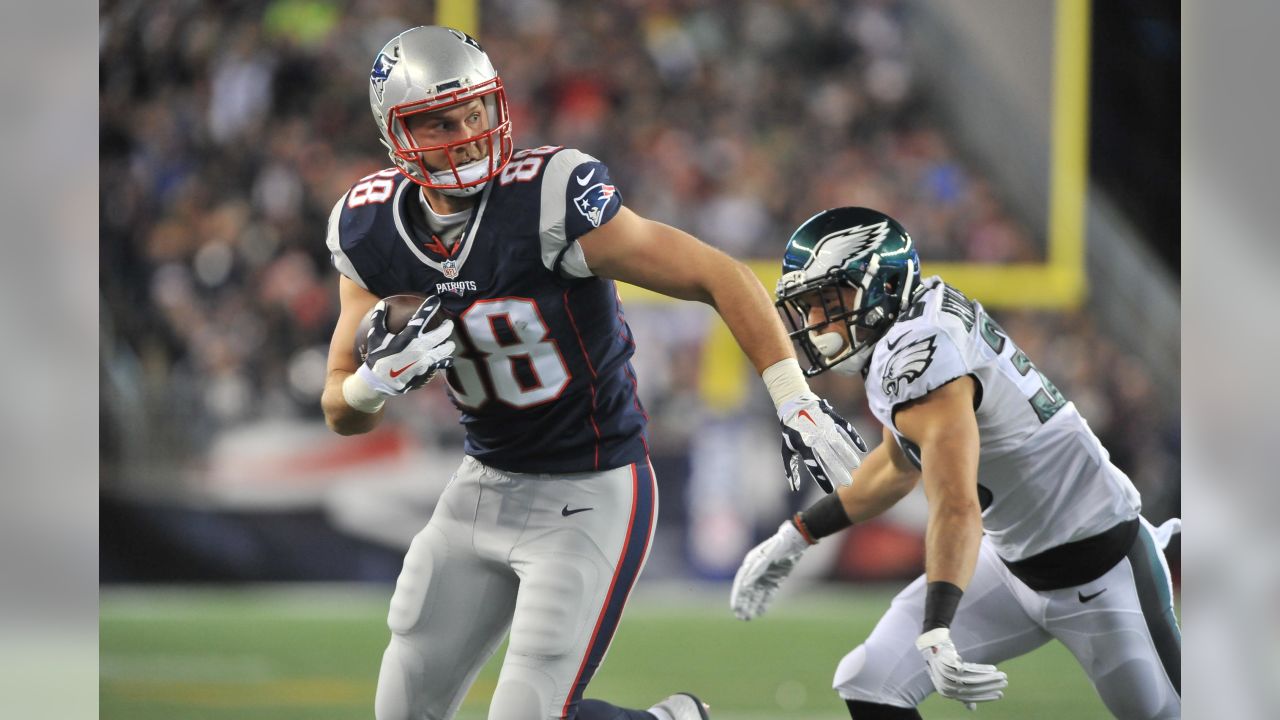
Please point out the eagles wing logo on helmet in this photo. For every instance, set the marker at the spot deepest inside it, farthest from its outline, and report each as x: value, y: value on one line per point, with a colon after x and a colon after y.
x: 907, y: 364
x: 847, y: 244
x: 381, y: 70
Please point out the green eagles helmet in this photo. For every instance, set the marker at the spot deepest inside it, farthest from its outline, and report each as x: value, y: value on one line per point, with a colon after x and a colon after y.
x: 862, y: 251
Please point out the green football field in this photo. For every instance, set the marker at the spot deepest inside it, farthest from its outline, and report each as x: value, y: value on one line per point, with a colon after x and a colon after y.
x: 313, y: 652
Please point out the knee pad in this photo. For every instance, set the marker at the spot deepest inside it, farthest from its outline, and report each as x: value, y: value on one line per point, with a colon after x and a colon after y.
x: 848, y: 670
x: 873, y: 675
x: 410, y: 597
x: 517, y: 699
x: 1138, y: 690
x: 549, y: 620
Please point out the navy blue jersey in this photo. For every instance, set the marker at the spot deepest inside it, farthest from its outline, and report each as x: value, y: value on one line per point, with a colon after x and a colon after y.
x: 542, y: 374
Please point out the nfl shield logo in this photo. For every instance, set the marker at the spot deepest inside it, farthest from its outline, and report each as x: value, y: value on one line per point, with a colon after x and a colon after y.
x: 450, y: 269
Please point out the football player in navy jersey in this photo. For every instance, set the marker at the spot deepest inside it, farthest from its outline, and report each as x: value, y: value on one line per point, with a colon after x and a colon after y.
x: 544, y: 528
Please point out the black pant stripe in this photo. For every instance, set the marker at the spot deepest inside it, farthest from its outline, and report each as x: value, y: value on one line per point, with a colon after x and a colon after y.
x: 1157, y: 605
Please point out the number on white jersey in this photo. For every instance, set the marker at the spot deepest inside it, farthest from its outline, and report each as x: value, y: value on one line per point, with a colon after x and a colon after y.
x: 1047, y: 401
x: 503, y: 358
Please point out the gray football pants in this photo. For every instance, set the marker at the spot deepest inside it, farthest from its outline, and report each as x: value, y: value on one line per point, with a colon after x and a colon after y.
x: 552, y: 558
x: 1123, y: 633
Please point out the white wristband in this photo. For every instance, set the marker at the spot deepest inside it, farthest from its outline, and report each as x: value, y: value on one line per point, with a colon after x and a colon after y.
x: 360, y: 396
x: 785, y: 381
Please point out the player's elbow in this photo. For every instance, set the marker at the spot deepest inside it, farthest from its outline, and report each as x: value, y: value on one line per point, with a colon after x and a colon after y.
x: 342, y: 426
x: 901, y: 484
x: 956, y: 509
x: 353, y: 423
x: 728, y: 281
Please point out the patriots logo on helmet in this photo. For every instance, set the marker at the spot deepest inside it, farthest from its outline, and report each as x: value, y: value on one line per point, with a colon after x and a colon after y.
x: 907, y: 364
x: 593, y: 201
x: 381, y: 69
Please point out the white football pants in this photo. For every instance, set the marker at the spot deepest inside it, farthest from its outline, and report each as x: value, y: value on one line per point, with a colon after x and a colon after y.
x: 550, y: 557
x: 1120, y: 627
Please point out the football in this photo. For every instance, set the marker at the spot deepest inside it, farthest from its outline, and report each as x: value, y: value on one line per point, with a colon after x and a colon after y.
x: 400, y: 308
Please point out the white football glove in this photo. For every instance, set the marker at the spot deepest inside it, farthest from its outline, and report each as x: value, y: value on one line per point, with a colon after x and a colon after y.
x: 764, y: 569
x: 400, y: 362
x: 825, y: 443
x: 954, y: 678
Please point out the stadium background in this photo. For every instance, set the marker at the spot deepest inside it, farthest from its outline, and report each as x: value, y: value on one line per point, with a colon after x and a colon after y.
x: 1031, y: 149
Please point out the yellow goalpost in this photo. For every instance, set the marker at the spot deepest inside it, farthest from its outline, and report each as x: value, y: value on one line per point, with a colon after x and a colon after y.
x: 1059, y: 282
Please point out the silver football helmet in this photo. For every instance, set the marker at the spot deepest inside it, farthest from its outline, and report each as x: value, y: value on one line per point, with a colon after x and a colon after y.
x: 431, y: 68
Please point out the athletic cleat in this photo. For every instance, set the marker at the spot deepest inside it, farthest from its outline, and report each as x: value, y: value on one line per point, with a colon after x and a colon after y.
x: 684, y: 706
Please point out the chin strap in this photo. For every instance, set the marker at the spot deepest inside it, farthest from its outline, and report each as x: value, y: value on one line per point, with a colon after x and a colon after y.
x: 856, y: 363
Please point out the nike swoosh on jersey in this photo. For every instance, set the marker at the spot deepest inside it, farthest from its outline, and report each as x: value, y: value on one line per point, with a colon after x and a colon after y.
x: 585, y: 178
x: 1086, y: 598
x: 891, y: 344
x: 398, y: 373
x: 565, y: 511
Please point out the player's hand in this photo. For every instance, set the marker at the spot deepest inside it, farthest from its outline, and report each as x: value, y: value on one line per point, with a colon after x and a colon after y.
x: 825, y: 443
x: 764, y: 569
x: 954, y: 678
x: 400, y: 362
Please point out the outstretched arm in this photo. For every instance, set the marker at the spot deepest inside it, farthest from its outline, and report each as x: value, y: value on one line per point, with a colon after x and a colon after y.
x: 661, y: 258
x: 666, y: 260
x: 884, y: 478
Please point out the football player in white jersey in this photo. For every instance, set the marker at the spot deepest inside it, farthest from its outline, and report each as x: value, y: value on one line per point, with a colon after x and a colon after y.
x: 1033, y: 534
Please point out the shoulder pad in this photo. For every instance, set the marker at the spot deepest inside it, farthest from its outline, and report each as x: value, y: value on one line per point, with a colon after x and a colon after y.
x: 911, y: 361
x: 354, y: 225
x: 337, y: 253
x: 577, y: 196
x: 942, y: 307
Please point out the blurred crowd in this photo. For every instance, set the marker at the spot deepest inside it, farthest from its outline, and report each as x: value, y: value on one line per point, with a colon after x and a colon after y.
x: 228, y: 130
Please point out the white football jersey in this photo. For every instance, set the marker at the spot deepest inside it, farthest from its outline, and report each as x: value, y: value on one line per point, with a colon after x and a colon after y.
x: 1044, y: 479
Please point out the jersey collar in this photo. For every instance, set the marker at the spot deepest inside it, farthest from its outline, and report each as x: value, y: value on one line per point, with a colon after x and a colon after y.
x: 449, y: 261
